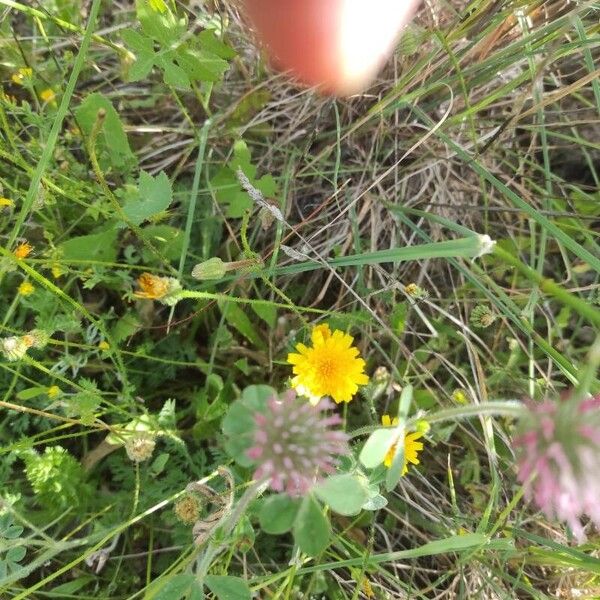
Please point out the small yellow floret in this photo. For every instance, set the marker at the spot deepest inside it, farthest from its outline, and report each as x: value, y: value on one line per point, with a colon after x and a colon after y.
x: 5, y: 202
x: 104, y: 345
x: 53, y: 391
x: 48, y: 96
x: 21, y: 75
x: 26, y: 289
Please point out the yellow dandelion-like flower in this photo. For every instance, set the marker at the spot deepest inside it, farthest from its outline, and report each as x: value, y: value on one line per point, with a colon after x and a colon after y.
x: 5, y: 202
x: 53, y: 391
x: 103, y: 345
x: 153, y: 287
x: 330, y: 368
x: 23, y: 250
x: 26, y: 289
x: 48, y: 96
x: 21, y: 75
x: 411, y: 446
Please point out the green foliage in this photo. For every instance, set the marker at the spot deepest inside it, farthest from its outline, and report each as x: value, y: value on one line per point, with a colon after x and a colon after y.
x: 10, y: 554
x: 227, y: 188
x: 112, y: 143
x: 56, y: 478
x: 345, y: 494
x: 228, y: 588
x: 373, y: 243
x: 312, y: 530
x: 154, y: 195
x: 278, y: 513
x: 183, y: 59
x: 96, y: 246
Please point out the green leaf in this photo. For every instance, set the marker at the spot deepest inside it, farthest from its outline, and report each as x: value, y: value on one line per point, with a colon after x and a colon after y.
x: 257, y: 395
x: 175, y: 588
x: 166, y: 239
x: 155, y: 195
x: 16, y: 554
x: 97, y: 247
x: 238, y: 319
x: 312, y: 529
x: 344, y: 493
x: 209, y: 40
x: 83, y: 405
x: 32, y: 392
x: 229, y: 193
x: 201, y: 65
x: 126, y: 326
x: 173, y: 74
x: 267, y: 313
x: 278, y: 513
x: 160, y: 25
x: 143, y: 49
x: 228, y: 588
x: 112, y: 141
x: 69, y: 588
x: 376, y: 447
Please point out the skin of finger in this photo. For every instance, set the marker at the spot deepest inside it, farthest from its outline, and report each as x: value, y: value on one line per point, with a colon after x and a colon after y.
x: 337, y: 45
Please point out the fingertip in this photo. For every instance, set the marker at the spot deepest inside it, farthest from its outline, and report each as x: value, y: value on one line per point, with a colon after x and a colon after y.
x: 335, y: 45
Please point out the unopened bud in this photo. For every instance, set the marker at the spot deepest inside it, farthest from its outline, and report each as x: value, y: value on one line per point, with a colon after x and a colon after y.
x: 213, y: 268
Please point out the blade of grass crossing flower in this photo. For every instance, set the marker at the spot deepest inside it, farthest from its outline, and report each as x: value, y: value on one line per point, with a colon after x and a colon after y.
x: 394, y: 473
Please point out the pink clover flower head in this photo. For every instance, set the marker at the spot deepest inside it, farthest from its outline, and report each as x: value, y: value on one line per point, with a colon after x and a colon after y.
x: 294, y: 444
x: 559, y: 459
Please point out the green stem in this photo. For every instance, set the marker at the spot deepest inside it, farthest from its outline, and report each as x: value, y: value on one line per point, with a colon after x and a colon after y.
x: 227, y: 298
x: 550, y: 287
x: 213, y: 549
x: 504, y: 408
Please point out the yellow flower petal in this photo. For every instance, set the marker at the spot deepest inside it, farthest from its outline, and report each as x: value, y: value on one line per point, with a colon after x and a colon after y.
x: 411, y: 447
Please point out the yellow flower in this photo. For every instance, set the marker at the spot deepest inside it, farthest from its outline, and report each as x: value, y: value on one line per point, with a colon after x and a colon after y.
x: 23, y: 250
x: 56, y: 270
x: 53, y: 391
x: 25, y: 289
x: 158, y: 6
x: 103, y: 345
x: 22, y: 74
x: 152, y: 286
x: 48, y: 96
x: 5, y: 202
x: 330, y: 368
x: 411, y: 446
